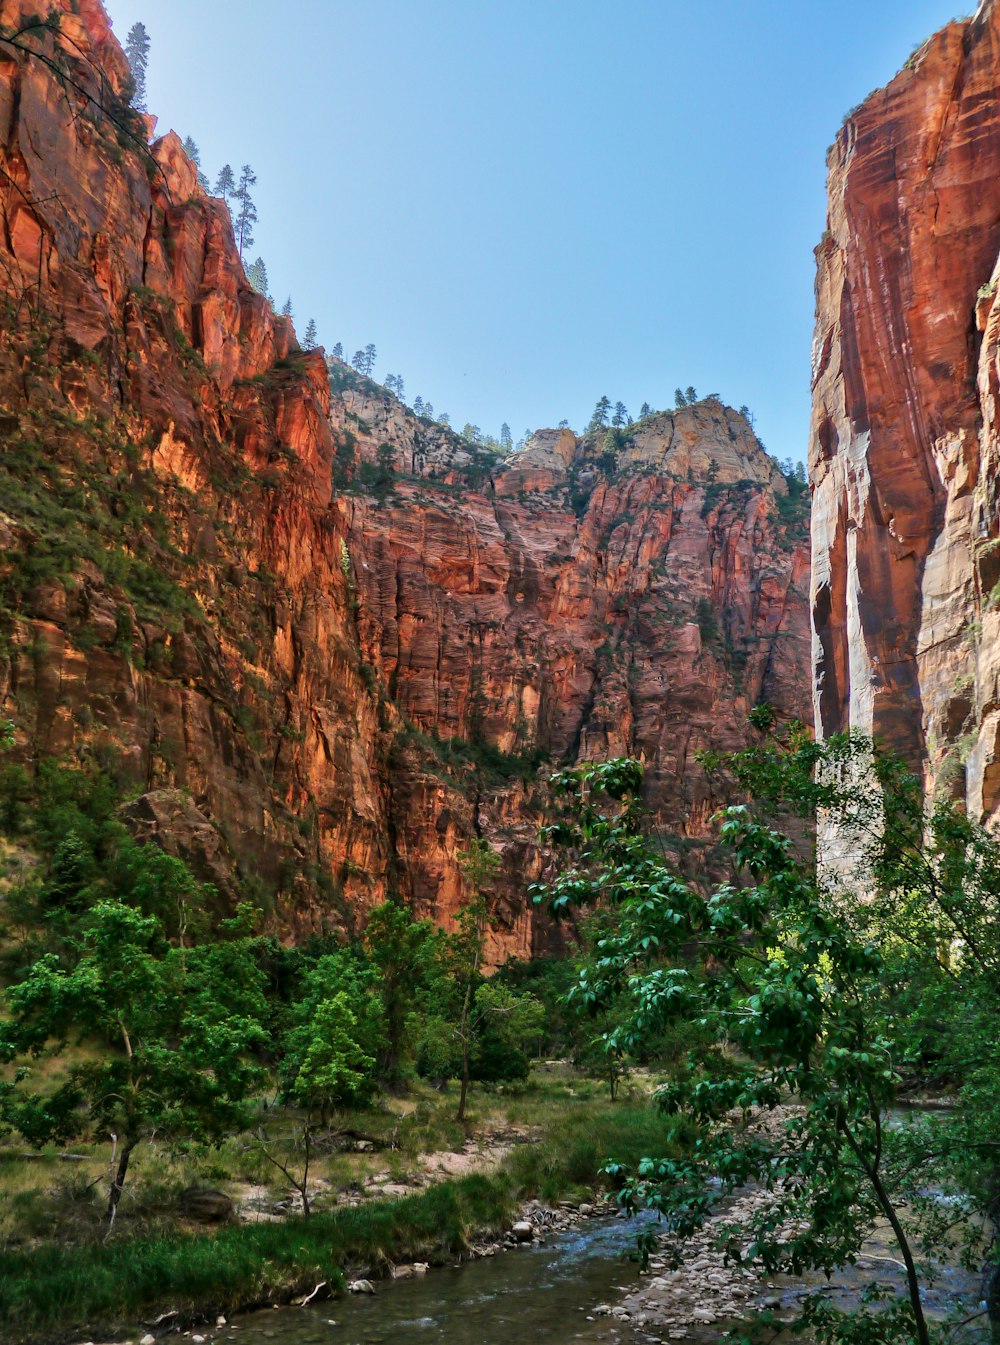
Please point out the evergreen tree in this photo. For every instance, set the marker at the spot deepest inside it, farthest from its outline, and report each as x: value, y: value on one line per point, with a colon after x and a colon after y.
x: 444, y: 419
x: 225, y: 183
x: 600, y: 417
x: 506, y: 438
x: 428, y: 411
x: 645, y: 410
x: 563, y: 425
x: 137, y: 55
x: 311, y: 338
x: 369, y: 359
x: 257, y: 276
x: 418, y: 406
x: 620, y: 417
x: 194, y: 154
x: 247, y: 216
x: 400, y: 388
x: 358, y: 361
x: 338, y: 351
x: 679, y: 398
x: 389, y: 383
x: 690, y: 395
x: 286, y: 308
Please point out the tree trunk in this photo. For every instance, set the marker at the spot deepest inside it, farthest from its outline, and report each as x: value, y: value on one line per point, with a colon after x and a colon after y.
x: 117, y: 1184
x: 304, y: 1188
x: 464, y: 1032
x: 889, y: 1210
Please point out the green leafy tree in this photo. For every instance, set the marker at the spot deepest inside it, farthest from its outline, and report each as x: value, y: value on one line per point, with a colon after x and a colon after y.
x: 444, y: 419
x: 311, y: 338
x: 448, y: 1014
x: 137, y: 55
x: 679, y: 398
x: 358, y: 361
x: 177, y: 1028
x: 645, y: 410
x: 225, y: 183
x: 403, y: 952
x: 690, y: 395
x: 246, y: 217
x: 338, y: 351
x: 389, y: 383
x: 620, y: 417
x: 418, y: 406
x: 328, y: 1053
x: 820, y: 987
x: 508, y: 1026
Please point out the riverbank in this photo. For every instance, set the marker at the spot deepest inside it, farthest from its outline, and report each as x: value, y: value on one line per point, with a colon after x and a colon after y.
x: 54, y: 1292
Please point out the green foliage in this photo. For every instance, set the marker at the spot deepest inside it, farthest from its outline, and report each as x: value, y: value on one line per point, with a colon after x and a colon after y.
x: 708, y: 624
x: 460, y: 756
x: 821, y: 993
x: 336, y: 1033
x: 404, y: 954
x: 102, y: 1286
x: 176, y: 1026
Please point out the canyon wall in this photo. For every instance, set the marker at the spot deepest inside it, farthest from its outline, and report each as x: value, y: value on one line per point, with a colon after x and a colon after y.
x: 905, y: 439
x: 322, y: 641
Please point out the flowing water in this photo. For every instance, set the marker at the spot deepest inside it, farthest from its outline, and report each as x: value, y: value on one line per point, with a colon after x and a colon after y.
x: 547, y: 1293
x: 529, y: 1294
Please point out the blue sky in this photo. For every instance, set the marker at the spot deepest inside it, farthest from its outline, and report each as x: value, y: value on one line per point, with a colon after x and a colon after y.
x: 526, y: 204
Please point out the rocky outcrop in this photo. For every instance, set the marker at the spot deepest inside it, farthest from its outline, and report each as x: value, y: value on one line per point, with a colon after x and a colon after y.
x: 904, y: 436
x: 328, y: 641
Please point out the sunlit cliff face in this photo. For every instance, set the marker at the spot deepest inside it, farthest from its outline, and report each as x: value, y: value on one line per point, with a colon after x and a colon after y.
x: 904, y: 440
x: 321, y: 681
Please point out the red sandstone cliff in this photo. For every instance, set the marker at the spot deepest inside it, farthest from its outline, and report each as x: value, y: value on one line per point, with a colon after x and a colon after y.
x: 321, y: 676
x: 903, y: 459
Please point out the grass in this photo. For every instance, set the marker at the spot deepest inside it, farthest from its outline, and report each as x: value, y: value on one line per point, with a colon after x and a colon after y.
x: 50, y: 1292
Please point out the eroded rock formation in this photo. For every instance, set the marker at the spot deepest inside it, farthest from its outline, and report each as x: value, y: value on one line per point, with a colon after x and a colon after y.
x: 903, y: 459
x: 327, y: 640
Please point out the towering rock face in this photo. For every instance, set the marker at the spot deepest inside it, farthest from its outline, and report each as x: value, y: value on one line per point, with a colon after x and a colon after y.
x: 903, y: 459
x: 326, y: 642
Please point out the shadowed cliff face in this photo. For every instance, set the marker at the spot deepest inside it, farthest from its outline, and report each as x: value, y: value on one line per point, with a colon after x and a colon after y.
x: 327, y: 642
x: 904, y: 414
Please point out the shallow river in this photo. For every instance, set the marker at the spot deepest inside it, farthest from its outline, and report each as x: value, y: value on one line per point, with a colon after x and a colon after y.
x: 545, y: 1293
x: 536, y: 1293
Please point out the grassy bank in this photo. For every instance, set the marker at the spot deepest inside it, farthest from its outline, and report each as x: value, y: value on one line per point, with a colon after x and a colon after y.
x: 51, y: 1293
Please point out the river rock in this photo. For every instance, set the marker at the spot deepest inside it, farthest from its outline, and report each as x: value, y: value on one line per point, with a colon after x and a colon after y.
x: 523, y: 1230
x: 206, y: 1205
x: 361, y: 1287
x: 410, y: 1272
x: 148, y: 1339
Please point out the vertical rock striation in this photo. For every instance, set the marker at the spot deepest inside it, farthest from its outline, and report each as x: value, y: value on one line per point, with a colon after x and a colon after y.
x: 905, y: 531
